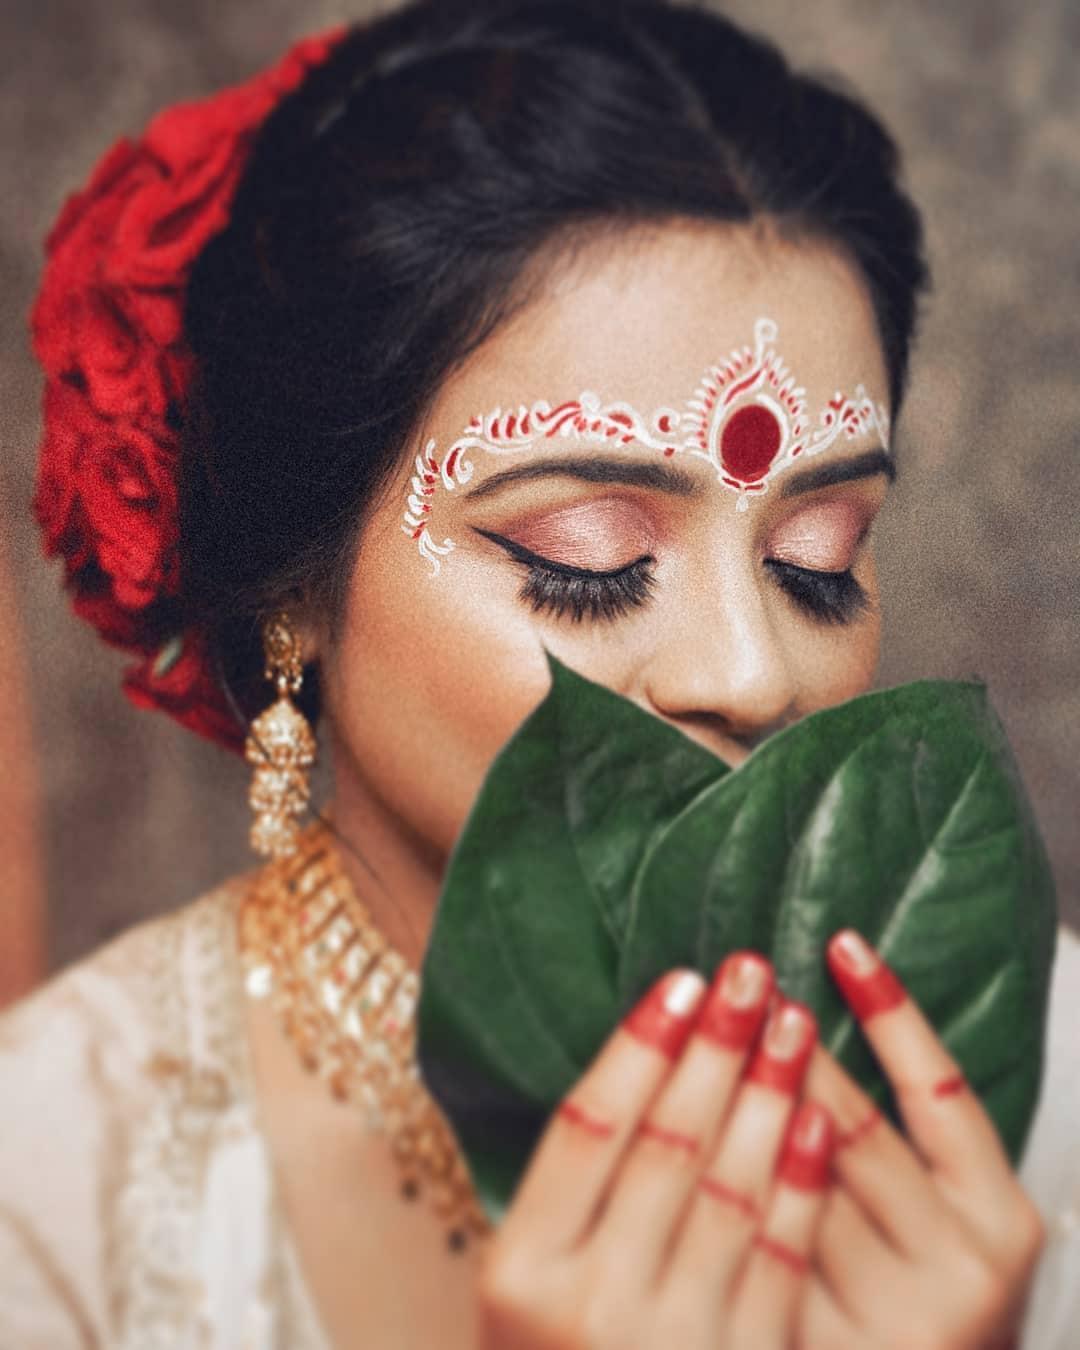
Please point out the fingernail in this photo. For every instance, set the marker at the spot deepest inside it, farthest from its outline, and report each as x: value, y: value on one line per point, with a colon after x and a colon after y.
x: 866, y: 981
x: 737, y: 1001
x: 785, y: 1048
x: 807, y: 1152
x: 665, y: 1016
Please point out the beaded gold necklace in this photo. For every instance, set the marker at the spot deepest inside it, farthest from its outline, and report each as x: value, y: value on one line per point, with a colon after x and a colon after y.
x: 347, y: 1000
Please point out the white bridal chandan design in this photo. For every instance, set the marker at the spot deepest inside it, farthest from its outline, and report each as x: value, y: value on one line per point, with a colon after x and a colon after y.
x: 748, y: 418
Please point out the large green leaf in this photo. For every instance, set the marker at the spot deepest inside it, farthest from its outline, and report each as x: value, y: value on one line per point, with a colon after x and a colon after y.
x: 605, y: 847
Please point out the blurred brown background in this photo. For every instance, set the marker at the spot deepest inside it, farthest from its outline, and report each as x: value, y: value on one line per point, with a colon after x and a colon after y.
x: 979, y: 552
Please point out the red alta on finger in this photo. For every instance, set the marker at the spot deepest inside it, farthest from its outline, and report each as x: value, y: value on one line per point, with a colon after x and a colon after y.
x: 666, y: 1015
x: 786, y: 1046
x: 735, y: 1009
x: 808, y: 1148
x: 865, y: 980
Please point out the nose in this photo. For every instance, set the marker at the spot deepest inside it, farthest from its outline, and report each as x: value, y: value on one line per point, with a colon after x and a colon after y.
x: 720, y: 673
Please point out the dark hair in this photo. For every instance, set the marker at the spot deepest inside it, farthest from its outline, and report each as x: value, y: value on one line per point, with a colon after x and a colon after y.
x: 386, y: 218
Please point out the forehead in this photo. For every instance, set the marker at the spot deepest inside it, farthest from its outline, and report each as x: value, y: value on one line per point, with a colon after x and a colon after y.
x: 638, y: 315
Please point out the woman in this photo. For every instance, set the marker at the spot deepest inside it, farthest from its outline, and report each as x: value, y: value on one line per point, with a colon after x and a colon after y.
x: 488, y: 272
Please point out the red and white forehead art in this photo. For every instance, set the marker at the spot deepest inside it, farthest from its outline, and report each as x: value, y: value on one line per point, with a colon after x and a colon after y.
x: 748, y: 418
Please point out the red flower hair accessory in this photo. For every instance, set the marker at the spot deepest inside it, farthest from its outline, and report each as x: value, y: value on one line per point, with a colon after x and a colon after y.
x: 108, y: 331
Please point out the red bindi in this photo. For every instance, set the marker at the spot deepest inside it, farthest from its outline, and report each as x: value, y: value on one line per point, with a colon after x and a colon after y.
x: 749, y: 443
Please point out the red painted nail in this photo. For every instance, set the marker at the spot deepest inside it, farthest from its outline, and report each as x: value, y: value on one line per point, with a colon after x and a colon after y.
x: 866, y: 981
x: 807, y: 1152
x: 737, y: 1002
x: 666, y: 1015
x: 786, y: 1046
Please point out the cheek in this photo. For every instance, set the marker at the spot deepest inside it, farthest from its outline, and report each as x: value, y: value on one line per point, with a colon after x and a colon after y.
x: 433, y: 674
x: 839, y: 663
x: 431, y: 677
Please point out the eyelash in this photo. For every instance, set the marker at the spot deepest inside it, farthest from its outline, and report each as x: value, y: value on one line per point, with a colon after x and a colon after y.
x: 600, y: 596
x: 828, y: 597
x: 833, y: 598
x: 560, y: 590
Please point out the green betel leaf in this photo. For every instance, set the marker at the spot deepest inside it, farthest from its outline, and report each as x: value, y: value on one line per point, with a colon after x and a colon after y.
x: 605, y: 847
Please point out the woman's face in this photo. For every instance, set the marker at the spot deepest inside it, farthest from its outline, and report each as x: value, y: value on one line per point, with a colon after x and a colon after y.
x: 714, y: 618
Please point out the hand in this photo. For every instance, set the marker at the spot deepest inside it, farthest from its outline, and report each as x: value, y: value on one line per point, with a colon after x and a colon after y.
x: 674, y: 1196
x: 925, y: 1245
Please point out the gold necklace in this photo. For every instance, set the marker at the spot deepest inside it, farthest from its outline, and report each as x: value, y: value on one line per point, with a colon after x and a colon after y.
x: 348, y: 1000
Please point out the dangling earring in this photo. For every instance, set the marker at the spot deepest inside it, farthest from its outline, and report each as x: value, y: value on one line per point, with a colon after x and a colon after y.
x: 281, y: 746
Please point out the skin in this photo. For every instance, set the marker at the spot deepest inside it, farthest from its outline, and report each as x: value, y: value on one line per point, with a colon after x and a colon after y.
x: 638, y: 321
x: 426, y: 681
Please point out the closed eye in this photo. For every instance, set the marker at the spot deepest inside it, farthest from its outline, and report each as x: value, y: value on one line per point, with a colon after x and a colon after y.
x: 580, y: 593
x: 827, y: 597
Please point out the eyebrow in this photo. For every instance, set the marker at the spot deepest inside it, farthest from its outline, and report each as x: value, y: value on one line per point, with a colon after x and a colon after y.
x: 866, y: 465
x: 677, y: 482
x: 591, y: 469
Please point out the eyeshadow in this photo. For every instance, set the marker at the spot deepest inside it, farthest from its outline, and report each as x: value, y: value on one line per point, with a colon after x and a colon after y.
x: 822, y: 537
x: 601, y: 535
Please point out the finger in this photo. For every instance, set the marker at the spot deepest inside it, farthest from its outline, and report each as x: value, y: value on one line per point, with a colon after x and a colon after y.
x: 951, y: 1297
x: 824, y: 1325
x: 659, y: 1169
x: 580, y: 1148
x: 729, y: 1199
x: 768, y: 1294
x: 875, y: 1163
x: 854, y: 1260
x: 944, y: 1118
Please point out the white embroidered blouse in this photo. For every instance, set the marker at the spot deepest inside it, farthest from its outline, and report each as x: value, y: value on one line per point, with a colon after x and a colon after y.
x: 138, y: 1208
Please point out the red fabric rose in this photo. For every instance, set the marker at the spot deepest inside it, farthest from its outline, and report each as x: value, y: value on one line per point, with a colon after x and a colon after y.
x: 106, y: 495
x: 56, y: 500
x: 94, y: 602
x: 112, y: 166
x: 128, y: 496
x: 162, y: 229
x: 108, y: 331
x: 73, y: 280
x: 199, y: 150
x: 91, y: 338
x: 178, y: 681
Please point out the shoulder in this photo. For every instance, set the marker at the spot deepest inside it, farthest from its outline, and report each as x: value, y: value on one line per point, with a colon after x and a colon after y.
x: 114, y: 1011
x: 114, y: 1077
x: 1051, y: 1168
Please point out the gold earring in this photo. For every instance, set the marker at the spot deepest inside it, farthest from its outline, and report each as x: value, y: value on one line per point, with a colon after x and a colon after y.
x: 281, y: 746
